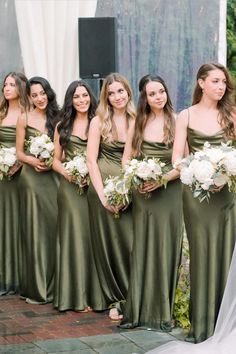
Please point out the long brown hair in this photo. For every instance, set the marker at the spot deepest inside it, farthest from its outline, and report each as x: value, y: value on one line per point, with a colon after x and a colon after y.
x: 226, y: 105
x: 21, y: 82
x: 105, y: 110
x: 143, y: 113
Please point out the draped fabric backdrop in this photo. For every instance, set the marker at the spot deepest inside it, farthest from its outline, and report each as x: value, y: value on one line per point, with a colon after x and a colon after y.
x: 48, y: 31
x: 170, y: 38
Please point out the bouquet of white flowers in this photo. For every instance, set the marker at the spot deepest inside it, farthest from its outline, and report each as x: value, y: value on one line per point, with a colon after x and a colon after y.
x: 208, y: 169
x: 78, y: 169
x: 7, y: 160
x: 117, y: 191
x: 146, y: 170
x: 42, y: 147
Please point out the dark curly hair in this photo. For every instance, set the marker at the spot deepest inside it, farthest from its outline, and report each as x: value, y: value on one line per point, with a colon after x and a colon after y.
x: 52, y: 110
x: 68, y: 112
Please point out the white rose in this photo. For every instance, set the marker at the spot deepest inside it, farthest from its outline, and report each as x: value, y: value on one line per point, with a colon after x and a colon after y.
x: 121, y: 187
x: 207, y: 184
x: 144, y: 171
x: 49, y: 146
x: 45, y: 154
x: 203, y: 171
x: 186, y: 176
x: 109, y: 187
x: 9, y: 159
x: 230, y: 164
x: 215, y: 155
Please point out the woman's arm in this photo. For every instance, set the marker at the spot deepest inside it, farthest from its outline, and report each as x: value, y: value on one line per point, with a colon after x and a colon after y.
x: 93, y: 145
x: 20, y: 139
x: 128, y: 145
x: 180, y: 142
x: 57, y: 158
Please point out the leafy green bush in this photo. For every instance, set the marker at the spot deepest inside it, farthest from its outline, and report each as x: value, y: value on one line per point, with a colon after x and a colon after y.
x: 231, y: 37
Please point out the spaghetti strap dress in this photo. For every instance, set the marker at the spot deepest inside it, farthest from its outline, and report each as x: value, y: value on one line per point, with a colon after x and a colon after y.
x: 211, y: 235
x: 156, y: 255
x: 9, y: 221
x: 112, y: 238
x: 38, y: 215
x: 76, y: 281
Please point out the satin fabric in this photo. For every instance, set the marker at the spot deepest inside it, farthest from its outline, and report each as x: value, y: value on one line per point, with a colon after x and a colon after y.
x: 211, y: 234
x: 76, y: 281
x: 38, y: 215
x: 9, y: 221
x: 111, y: 238
x: 158, y: 230
x: 224, y: 339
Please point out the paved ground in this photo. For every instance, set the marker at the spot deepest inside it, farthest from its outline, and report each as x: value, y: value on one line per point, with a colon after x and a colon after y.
x: 39, y: 329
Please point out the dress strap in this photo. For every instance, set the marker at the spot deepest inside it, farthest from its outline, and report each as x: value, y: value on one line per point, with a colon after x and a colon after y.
x: 188, y: 117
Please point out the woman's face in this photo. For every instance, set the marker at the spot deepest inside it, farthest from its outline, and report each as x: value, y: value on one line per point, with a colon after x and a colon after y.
x: 38, y: 96
x: 214, y: 85
x: 10, y: 89
x: 156, y: 95
x: 117, y: 95
x: 81, y: 100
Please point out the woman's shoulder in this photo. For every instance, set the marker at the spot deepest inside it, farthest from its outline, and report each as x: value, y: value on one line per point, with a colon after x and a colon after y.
x: 95, y: 122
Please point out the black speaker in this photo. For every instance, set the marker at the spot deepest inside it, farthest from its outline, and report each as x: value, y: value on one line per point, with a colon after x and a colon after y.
x: 97, y: 46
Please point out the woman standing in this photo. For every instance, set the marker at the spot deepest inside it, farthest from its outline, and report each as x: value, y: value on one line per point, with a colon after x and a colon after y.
x: 13, y: 103
x: 38, y: 197
x: 112, y: 238
x: 210, y: 226
x: 76, y: 282
x: 157, y: 220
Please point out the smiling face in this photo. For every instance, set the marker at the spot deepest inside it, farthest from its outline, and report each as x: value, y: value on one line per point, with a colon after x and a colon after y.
x: 81, y: 100
x: 214, y: 85
x: 156, y: 95
x: 38, y: 96
x: 117, y: 95
x: 10, y: 89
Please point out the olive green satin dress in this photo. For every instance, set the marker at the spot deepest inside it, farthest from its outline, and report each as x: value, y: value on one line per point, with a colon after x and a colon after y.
x: 9, y: 221
x: 38, y: 216
x: 76, y: 281
x: 158, y: 230
x: 111, y: 238
x: 211, y: 234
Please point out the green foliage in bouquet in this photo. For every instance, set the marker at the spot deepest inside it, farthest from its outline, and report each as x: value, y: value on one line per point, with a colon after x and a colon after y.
x: 182, y: 294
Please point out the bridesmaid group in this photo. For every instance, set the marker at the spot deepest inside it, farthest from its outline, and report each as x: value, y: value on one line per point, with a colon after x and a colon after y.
x: 59, y: 246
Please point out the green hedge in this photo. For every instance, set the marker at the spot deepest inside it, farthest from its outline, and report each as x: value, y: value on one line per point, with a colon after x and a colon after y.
x: 231, y: 37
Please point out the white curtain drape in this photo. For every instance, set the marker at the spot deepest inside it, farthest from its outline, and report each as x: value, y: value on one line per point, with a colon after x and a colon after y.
x: 48, y: 31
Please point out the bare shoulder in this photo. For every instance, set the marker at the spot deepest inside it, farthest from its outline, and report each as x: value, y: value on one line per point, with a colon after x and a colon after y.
x: 183, y: 116
x: 95, y: 122
x: 22, y: 120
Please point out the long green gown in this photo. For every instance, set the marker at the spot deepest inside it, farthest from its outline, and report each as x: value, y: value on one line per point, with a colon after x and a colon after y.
x: 9, y: 221
x: 158, y: 226
x: 211, y: 234
x: 111, y: 238
x: 38, y: 215
x: 76, y: 281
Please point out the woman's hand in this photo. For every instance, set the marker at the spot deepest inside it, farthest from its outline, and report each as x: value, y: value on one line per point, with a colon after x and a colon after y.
x: 217, y: 189
x: 14, y: 169
x: 112, y: 208
x: 149, y: 187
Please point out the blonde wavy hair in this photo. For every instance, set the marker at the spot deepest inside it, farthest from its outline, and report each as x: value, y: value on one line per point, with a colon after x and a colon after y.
x: 24, y: 104
x: 105, y: 109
